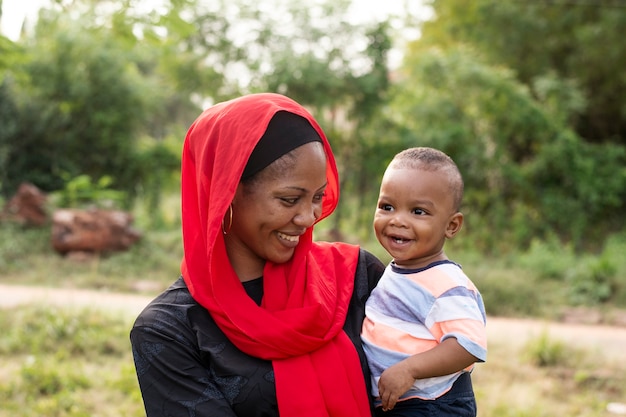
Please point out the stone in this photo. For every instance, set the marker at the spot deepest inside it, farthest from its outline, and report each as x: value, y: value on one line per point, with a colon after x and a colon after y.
x: 92, y: 230
x: 27, y: 206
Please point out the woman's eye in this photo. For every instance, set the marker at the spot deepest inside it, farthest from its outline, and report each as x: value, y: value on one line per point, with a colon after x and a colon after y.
x: 319, y: 197
x: 290, y: 200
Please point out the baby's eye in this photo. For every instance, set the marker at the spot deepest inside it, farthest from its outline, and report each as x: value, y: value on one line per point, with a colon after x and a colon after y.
x: 419, y: 211
x: 386, y: 207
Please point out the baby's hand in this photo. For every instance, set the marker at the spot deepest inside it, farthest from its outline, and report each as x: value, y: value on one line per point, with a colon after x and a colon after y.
x: 394, y: 381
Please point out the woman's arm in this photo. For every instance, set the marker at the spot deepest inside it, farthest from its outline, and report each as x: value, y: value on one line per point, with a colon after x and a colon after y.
x: 172, y: 379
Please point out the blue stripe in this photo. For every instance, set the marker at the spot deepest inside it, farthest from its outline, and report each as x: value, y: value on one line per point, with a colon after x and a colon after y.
x: 404, y: 300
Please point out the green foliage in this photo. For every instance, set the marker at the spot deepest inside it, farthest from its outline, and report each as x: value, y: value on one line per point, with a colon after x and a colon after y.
x: 156, y: 259
x: 525, y: 97
x: 546, y: 352
x: 18, y: 244
x: 69, y: 119
x: 592, y: 283
x: 159, y: 165
x: 329, y: 77
x: 451, y: 101
x: 46, y: 388
x: 588, y: 380
x: 90, y: 91
x: 82, y: 192
x: 66, y: 363
x: 42, y: 379
x: 549, y: 276
x: 614, y: 250
x: 588, y: 279
x: 549, y: 259
x: 11, y: 54
x: 538, y: 135
x: 527, y: 175
x: 308, y: 61
x: 577, y: 43
x: 67, y: 334
x: 512, y: 291
x: 9, y: 123
x: 62, y: 361
x: 563, y: 99
x: 581, y: 187
x: 27, y: 257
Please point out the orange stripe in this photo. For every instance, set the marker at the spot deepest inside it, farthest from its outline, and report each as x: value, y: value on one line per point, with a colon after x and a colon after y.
x: 473, y: 329
x: 393, y: 339
x: 434, y: 280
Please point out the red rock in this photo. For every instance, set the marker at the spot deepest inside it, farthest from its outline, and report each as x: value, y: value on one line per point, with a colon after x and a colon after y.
x: 27, y: 206
x: 94, y: 230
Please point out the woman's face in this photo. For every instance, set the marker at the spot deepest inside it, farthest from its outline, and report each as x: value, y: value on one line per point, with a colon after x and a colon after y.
x: 271, y: 214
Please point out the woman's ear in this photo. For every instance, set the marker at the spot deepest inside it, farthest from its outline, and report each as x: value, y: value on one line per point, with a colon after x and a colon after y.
x: 454, y: 224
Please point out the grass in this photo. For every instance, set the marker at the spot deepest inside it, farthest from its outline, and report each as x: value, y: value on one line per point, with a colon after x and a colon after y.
x: 27, y: 258
x: 59, y: 362
x: 70, y: 363
x: 543, y: 281
x: 545, y: 378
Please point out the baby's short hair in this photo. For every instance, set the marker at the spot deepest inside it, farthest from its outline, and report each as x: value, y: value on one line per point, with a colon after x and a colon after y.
x: 431, y: 159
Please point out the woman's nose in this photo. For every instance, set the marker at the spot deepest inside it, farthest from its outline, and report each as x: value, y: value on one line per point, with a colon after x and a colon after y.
x: 307, y: 216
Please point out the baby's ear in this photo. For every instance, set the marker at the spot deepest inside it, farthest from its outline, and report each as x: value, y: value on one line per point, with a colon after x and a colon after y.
x: 454, y: 224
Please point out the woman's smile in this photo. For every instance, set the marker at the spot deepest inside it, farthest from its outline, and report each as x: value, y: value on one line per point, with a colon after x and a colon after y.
x: 288, y: 240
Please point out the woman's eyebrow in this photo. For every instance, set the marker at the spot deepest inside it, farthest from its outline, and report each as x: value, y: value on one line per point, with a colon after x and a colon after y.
x: 294, y: 187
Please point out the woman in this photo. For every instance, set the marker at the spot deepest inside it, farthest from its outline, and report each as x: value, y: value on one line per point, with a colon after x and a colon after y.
x: 263, y: 321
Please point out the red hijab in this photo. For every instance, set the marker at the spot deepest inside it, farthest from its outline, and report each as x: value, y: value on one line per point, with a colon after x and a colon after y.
x: 299, y: 323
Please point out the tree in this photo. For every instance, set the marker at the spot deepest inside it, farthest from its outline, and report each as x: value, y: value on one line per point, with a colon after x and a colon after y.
x: 153, y: 72
x: 567, y: 52
x: 79, y: 112
x: 343, y: 86
x: 89, y: 89
x: 527, y: 174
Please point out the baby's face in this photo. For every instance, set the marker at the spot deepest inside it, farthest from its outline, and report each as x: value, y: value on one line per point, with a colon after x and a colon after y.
x: 413, y: 215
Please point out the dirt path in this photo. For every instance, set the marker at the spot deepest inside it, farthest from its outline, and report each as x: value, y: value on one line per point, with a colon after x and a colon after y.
x: 15, y: 295
x: 607, y: 340
x: 610, y: 341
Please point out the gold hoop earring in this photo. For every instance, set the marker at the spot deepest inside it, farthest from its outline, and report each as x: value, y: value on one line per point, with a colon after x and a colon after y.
x: 230, y: 220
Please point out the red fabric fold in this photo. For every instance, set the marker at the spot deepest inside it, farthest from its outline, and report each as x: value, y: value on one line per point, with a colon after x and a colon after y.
x: 299, y: 323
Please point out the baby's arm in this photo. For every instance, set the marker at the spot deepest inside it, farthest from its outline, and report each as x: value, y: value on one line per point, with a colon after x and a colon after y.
x: 446, y: 358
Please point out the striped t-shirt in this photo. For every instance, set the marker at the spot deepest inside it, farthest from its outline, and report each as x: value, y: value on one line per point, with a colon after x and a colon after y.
x: 412, y: 310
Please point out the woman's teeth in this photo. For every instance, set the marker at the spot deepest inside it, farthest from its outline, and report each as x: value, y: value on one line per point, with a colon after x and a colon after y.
x: 288, y: 237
